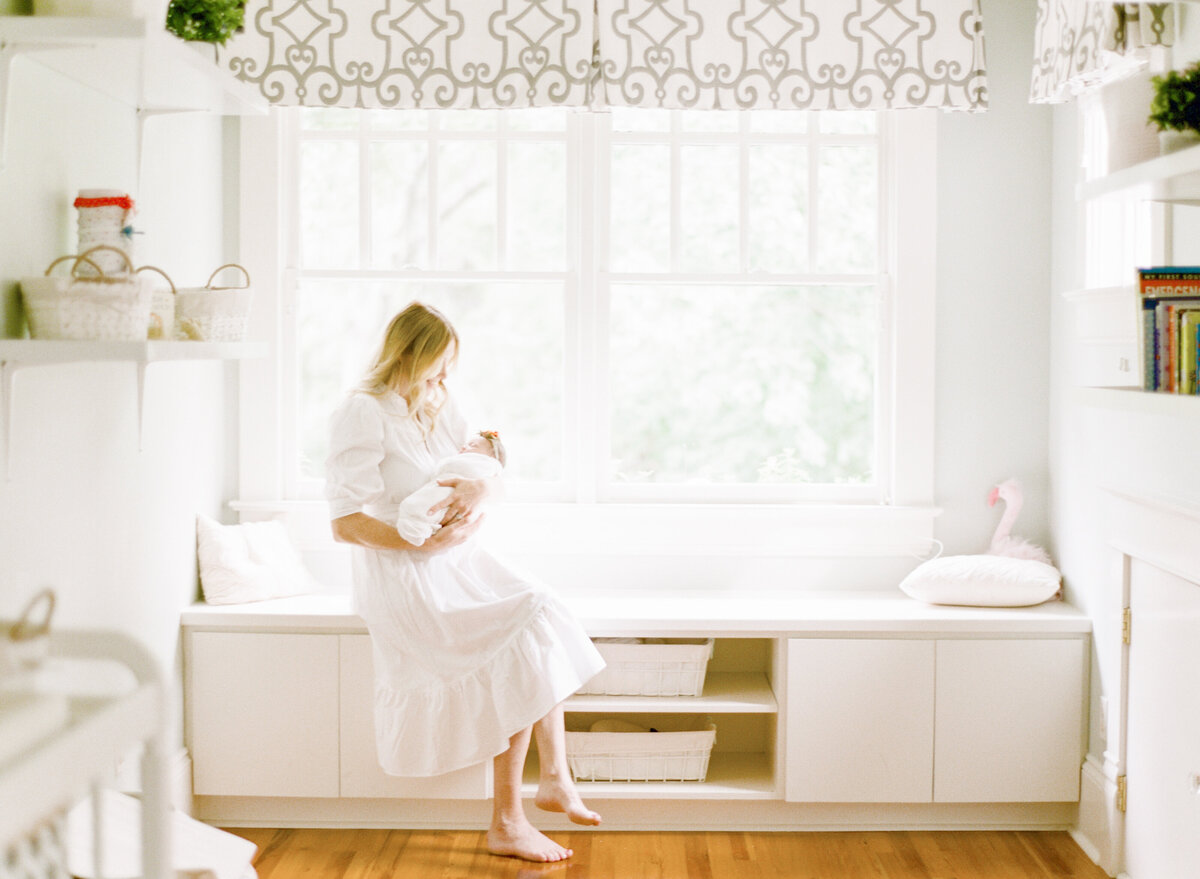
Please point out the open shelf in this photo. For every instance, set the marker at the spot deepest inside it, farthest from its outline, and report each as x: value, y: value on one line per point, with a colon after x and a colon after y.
x: 131, y: 60
x: 48, y: 351
x: 724, y: 693
x: 1137, y: 400
x: 731, y: 776
x: 1174, y: 177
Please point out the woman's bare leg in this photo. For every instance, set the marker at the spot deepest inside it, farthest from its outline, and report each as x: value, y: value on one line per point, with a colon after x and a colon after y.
x: 511, y: 833
x: 556, y: 789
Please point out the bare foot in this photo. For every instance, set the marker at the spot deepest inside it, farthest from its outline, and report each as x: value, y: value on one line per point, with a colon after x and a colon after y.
x: 523, y: 840
x: 555, y: 796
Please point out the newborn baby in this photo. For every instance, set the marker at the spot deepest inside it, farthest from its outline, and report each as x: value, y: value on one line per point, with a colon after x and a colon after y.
x: 481, y: 458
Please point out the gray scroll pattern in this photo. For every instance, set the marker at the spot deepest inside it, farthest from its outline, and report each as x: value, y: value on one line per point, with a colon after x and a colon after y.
x: 792, y: 54
x: 416, y: 53
x: 1081, y: 46
x: 698, y: 54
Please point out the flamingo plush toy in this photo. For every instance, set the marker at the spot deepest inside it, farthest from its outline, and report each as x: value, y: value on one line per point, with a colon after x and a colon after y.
x: 1003, y: 541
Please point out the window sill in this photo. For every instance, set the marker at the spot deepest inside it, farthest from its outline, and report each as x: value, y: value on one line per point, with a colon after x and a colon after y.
x: 722, y: 530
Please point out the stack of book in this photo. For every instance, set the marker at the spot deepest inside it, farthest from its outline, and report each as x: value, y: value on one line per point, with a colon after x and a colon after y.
x: 1170, y: 307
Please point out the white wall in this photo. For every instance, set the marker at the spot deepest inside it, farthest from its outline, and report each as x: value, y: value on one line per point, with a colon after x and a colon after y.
x: 1108, y: 442
x: 993, y: 294
x: 109, y: 527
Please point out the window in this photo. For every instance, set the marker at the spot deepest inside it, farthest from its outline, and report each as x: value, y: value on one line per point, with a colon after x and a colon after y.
x: 655, y: 305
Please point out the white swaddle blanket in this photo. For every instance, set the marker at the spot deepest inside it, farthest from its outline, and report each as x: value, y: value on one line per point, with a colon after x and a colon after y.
x: 413, y: 519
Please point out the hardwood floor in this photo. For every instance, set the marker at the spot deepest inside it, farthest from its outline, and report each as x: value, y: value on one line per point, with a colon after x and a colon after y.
x: 409, y: 854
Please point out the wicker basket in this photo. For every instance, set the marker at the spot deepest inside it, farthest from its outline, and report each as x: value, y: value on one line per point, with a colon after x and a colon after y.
x: 675, y: 668
x: 25, y: 642
x: 666, y: 755
x: 96, y: 307
x: 214, y: 314
x: 162, y: 308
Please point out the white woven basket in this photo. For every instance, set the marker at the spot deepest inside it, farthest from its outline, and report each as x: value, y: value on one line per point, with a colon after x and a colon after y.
x: 214, y: 314
x: 25, y: 642
x: 680, y: 755
x: 677, y: 668
x: 102, y: 306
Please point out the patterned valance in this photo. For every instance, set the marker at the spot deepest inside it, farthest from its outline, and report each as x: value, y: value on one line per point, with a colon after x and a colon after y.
x: 815, y: 54
x: 416, y: 53
x: 786, y: 54
x: 1082, y: 45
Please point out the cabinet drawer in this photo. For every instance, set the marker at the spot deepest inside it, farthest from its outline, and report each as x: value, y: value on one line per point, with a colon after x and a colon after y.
x: 1009, y: 721
x: 859, y: 721
x: 263, y: 714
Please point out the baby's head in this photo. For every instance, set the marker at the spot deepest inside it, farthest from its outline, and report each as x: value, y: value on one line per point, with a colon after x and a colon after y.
x: 487, y: 443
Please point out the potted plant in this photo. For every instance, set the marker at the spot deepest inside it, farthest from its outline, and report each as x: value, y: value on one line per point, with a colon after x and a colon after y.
x: 208, y: 21
x: 1175, y: 108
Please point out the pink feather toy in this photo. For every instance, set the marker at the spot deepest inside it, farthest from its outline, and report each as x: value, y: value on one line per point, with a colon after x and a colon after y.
x: 1003, y: 541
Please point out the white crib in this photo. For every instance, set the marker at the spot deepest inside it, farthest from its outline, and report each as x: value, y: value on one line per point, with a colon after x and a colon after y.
x: 78, y: 756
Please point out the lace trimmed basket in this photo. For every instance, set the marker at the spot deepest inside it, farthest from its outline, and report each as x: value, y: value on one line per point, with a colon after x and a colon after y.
x: 670, y: 668
x: 665, y: 755
x: 99, y: 306
x: 214, y: 314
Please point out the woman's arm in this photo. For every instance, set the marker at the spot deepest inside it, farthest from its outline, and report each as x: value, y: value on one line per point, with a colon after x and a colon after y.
x: 363, y: 530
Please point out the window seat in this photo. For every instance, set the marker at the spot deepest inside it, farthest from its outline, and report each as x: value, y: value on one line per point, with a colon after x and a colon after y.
x: 832, y: 710
x: 689, y: 613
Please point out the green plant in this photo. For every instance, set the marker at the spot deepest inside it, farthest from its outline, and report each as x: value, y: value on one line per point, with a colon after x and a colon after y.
x: 1176, y: 102
x: 209, y: 21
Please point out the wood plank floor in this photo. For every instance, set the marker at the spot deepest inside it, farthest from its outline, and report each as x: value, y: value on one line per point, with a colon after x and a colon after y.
x: 420, y: 854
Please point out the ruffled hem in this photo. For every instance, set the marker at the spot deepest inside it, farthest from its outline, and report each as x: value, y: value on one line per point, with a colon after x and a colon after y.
x: 439, y: 729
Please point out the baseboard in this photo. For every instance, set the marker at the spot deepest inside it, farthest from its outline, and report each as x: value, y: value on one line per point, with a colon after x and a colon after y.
x: 639, y: 814
x: 1100, y: 831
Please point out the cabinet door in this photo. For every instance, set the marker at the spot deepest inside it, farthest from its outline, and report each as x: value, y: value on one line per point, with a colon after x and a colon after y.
x: 361, y: 775
x: 859, y: 721
x: 1009, y: 721
x: 262, y: 714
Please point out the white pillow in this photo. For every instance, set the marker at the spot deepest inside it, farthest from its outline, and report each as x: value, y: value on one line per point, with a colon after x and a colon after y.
x: 983, y: 581
x: 253, y: 561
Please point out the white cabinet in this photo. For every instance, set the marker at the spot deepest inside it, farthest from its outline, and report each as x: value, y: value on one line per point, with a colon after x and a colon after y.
x: 361, y: 775
x: 262, y: 714
x: 941, y: 720
x: 1009, y: 721
x: 860, y: 720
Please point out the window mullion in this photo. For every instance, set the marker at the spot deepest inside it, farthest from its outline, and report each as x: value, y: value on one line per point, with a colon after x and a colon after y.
x: 592, y: 404
x: 502, y: 146
x: 744, y: 192
x: 365, y: 235
x: 676, y: 184
x: 432, y: 261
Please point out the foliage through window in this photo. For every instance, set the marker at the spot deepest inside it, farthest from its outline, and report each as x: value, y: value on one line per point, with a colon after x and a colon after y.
x: 653, y: 305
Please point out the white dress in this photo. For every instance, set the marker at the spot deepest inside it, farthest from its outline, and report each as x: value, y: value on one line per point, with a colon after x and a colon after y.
x: 467, y: 653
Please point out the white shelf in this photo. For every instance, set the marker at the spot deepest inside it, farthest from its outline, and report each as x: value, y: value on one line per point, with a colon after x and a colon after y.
x: 1136, y: 400
x: 731, y: 776
x: 724, y: 693
x: 47, y: 351
x: 18, y: 354
x: 131, y: 60
x: 1174, y: 177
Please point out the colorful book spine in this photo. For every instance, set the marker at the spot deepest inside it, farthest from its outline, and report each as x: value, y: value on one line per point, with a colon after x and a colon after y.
x: 1167, y: 294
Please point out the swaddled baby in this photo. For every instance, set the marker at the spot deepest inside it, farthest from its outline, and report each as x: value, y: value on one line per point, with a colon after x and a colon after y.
x: 482, y: 457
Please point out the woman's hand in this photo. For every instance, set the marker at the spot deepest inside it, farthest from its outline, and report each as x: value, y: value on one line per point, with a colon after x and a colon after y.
x: 451, y: 534
x: 466, y: 496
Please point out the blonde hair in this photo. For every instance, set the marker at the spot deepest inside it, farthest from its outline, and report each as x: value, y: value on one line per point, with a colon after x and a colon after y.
x: 413, y: 344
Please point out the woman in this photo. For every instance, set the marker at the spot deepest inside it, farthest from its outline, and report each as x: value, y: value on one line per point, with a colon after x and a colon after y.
x: 470, y: 660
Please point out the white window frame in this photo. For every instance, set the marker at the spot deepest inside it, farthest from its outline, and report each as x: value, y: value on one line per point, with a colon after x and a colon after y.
x: 899, y: 520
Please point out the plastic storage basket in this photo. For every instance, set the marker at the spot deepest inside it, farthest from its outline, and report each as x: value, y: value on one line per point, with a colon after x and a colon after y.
x: 100, y: 306
x: 674, y: 668
x: 214, y: 314
x: 667, y: 755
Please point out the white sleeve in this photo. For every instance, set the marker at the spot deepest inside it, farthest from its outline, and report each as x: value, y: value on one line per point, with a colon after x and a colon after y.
x: 352, y: 475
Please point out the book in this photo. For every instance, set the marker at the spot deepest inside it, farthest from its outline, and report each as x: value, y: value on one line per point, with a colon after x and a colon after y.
x: 1169, y: 282
x: 1189, y: 326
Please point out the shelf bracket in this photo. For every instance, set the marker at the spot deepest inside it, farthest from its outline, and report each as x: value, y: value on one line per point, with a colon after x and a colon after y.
x: 9, y: 52
x: 144, y: 116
